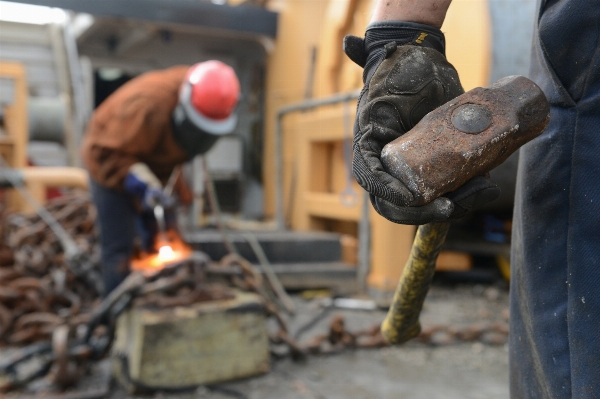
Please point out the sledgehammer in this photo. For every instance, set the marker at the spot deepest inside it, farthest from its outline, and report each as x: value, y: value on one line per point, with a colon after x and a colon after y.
x: 464, y: 138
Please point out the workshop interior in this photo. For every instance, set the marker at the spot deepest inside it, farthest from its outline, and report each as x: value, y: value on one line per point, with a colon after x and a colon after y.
x: 263, y: 266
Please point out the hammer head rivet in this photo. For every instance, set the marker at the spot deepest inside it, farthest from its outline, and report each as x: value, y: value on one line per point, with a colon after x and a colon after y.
x: 471, y: 118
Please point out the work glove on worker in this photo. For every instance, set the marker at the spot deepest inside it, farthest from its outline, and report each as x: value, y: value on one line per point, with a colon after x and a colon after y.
x: 406, y: 75
x: 142, y: 184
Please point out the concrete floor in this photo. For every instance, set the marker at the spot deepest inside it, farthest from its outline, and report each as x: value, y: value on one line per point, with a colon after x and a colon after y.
x: 413, y: 371
x: 456, y: 372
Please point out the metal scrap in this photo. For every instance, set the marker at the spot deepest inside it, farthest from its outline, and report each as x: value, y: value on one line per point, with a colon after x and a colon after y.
x: 38, y: 291
x: 66, y: 325
x: 88, y: 332
x: 339, y: 338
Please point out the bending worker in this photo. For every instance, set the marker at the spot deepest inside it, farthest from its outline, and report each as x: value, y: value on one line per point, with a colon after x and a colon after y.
x: 135, y: 139
x: 554, y: 345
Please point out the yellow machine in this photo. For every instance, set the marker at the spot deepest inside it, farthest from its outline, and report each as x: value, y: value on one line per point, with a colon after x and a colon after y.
x: 306, y: 158
x: 317, y: 192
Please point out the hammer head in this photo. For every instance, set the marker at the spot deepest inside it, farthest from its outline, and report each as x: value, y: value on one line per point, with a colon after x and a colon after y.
x: 467, y: 137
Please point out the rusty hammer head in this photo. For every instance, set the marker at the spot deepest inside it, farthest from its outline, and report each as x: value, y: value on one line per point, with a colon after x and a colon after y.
x: 466, y: 137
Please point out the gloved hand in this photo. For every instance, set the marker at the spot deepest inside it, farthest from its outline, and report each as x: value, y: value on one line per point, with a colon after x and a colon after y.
x: 406, y: 75
x: 141, y: 183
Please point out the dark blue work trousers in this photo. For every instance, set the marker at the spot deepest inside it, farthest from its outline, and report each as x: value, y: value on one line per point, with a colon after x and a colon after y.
x: 555, y: 282
x: 119, y: 223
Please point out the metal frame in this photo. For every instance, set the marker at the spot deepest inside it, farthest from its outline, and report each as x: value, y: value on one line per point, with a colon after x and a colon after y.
x: 364, y: 227
x: 244, y: 19
x: 283, y: 111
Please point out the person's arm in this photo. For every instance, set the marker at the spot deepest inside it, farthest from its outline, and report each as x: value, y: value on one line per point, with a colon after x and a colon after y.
x: 429, y: 12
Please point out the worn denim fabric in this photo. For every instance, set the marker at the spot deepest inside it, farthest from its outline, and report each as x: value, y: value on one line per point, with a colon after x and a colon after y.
x: 116, y: 225
x: 119, y: 224
x: 555, y: 282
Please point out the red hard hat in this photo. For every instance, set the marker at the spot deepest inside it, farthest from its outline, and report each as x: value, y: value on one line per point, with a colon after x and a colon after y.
x: 215, y: 89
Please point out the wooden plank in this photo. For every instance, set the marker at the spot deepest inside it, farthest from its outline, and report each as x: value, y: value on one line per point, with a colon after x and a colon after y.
x: 322, y: 23
x: 453, y: 261
x: 300, y: 216
x: 336, y: 73
x: 340, y: 15
x: 326, y: 124
x: 336, y: 276
x: 16, y: 123
x: 300, y: 27
x: 390, y: 247
x: 349, y: 245
x: 290, y: 172
x: 185, y: 346
x: 467, y: 28
x: 339, y: 169
x: 39, y: 178
x: 329, y: 205
x: 7, y: 149
x: 350, y: 75
x: 319, y: 168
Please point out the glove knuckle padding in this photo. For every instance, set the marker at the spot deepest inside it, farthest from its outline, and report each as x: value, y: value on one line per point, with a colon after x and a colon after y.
x: 408, y: 84
x: 369, y: 173
x: 385, y: 123
x: 412, y: 82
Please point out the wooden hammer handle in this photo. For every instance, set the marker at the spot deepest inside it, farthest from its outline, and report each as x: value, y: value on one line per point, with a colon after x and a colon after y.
x: 402, y: 320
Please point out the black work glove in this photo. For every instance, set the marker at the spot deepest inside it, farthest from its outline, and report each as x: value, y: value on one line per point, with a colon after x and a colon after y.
x: 406, y: 75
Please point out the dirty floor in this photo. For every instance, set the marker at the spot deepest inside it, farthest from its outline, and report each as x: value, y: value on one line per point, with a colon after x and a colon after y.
x: 463, y: 370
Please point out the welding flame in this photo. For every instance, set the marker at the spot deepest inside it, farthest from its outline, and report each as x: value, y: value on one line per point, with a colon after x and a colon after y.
x: 170, y: 248
x: 166, y: 253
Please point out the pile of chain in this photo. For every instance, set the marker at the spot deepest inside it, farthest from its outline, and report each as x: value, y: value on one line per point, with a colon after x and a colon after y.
x: 46, y: 306
x: 495, y: 333
x: 72, y: 346
x: 38, y: 292
x: 339, y: 338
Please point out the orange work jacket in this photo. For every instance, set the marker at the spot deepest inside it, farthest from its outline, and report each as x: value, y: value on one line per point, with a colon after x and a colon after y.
x: 134, y: 125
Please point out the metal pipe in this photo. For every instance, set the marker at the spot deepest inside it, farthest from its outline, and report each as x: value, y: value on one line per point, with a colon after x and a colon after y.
x: 55, y: 176
x: 198, y: 190
x: 364, y: 245
x: 302, y: 106
x: 68, y: 243
x: 46, y: 118
x: 267, y: 268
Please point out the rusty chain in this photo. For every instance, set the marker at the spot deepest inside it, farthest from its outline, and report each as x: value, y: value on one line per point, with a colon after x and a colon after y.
x: 338, y: 338
x: 42, y: 305
x: 38, y: 291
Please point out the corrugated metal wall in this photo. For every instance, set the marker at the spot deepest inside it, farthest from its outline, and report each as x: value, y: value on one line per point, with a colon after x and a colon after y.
x: 32, y: 45
x: 41, y: 49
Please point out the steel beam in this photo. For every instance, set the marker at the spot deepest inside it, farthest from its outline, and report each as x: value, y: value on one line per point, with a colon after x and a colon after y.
x: 244, y: 19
